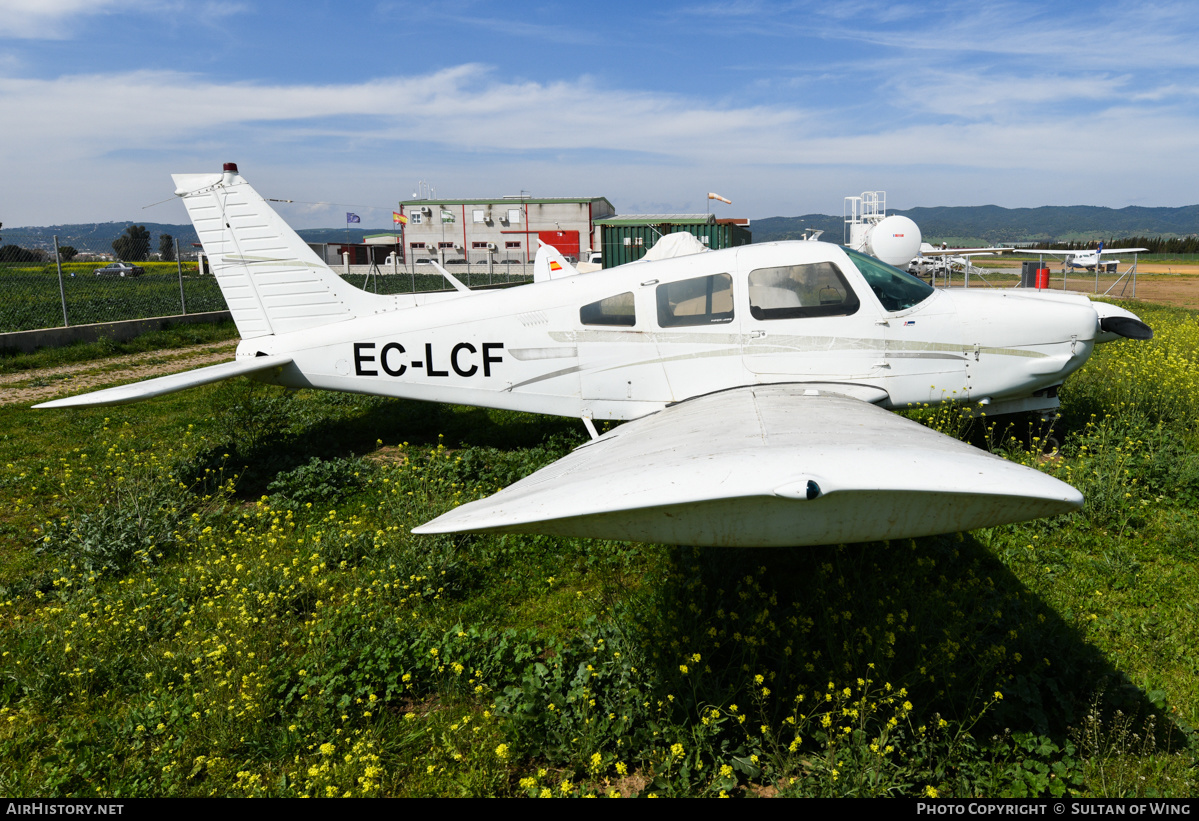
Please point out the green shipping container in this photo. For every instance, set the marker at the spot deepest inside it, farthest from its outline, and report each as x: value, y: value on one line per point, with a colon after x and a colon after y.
x: 626, y: 239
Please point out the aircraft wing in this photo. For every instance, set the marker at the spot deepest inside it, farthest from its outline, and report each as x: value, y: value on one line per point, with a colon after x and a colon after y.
x: 930, y: 250
x: 770, y: 465
x: 1083, y: 252
x: 124, y: 394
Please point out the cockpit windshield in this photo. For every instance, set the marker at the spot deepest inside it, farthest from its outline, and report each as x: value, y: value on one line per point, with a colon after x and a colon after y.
x: 897, y: 290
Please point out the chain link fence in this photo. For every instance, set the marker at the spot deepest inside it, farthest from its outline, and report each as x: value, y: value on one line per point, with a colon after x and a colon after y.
x: 37, y: 295
x: 383, y: 278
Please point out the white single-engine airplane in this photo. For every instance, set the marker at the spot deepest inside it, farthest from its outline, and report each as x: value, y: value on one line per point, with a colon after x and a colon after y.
x: 1087, y: 260
x: 945, y: 260
x: 757, y: 379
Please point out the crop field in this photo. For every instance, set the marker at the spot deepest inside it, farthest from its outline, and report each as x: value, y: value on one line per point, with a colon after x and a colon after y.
x: 216, y: 593
x: 33, y: 299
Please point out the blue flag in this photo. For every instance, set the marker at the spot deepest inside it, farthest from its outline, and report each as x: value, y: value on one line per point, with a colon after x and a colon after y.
x: 352, y: 217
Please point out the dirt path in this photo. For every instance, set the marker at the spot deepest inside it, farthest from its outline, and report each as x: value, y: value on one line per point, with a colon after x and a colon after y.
x: 1179, y: 290
x: 1167, y: 284
x: 38, y: 386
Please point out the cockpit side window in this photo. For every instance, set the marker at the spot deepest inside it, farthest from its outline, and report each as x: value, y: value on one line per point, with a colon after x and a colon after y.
x: 613, y: 310
x: 897, y: 290
x: 699, y: 301
x: 798, y: 291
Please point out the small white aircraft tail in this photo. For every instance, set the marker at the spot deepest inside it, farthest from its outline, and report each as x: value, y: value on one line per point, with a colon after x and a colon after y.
x: 549, y: 264
x: 271, y: 280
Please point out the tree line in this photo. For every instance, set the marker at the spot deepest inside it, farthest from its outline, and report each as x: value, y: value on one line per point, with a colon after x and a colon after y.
x: 132, y: 246
x: 1156, y: 245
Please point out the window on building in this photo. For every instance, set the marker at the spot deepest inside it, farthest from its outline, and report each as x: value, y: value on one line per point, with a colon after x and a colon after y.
x: 513, y: 215
x: 699, y: 301
x: 614, y: 310
x: 479, y: 215
x: 445, y: 245
x: 416, y: 245
x: 797, y: 291
x: 515, y: 244
x: 416, y: 217
x: 482, y: 245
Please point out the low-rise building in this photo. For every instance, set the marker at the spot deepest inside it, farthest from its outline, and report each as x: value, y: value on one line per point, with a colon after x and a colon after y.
x: 500, y: 230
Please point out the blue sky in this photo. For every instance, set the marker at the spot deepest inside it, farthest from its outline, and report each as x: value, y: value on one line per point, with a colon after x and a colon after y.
x: 785, y: 108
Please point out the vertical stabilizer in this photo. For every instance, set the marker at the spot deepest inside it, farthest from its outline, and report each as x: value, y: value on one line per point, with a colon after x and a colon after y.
x: 271, y: 280
x: 549, y: 264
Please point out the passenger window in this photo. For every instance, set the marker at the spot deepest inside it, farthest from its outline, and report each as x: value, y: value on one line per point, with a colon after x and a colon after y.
x: 799, y: 291
x: 699, y: 301
x: 615, y: 310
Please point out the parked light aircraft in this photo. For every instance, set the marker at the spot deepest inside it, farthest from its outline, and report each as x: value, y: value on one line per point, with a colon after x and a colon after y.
x: 757, y: 380
x: 945, y: 260
x: 1088, y: 260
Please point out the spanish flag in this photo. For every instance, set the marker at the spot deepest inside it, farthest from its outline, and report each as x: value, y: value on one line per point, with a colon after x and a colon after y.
x: 398, y: 218
x: 554, y: 266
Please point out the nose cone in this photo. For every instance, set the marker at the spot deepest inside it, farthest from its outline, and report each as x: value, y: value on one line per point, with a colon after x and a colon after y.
x: 1116, y: 323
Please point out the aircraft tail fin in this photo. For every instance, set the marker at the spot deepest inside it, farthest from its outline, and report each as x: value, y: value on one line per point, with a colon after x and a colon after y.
x: 272, y: 281
x: 549, y: 264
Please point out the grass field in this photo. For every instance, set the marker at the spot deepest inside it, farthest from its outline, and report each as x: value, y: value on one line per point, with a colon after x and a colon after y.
x: 216, y: 593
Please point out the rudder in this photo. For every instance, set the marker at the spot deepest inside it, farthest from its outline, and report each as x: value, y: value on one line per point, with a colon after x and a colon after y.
x: 272, y: 281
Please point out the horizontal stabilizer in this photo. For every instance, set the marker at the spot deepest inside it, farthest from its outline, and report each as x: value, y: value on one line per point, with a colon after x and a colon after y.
x: 767, y: 466
x: 161, y: 385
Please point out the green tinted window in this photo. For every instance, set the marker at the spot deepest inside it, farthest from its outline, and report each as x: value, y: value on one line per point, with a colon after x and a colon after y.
x: 895, y: 289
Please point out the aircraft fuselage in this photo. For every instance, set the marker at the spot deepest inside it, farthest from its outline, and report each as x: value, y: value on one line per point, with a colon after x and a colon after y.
x: 626, y: 342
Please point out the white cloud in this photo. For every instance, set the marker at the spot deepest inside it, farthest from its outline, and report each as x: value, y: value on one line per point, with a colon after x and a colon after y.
x: 60, y: 19
x: 99, y: 146
x: 460, y: 106
x: 1001, y: 95
x: 52, y: 19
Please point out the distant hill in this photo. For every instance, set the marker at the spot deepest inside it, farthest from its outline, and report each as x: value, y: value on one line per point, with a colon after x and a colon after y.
x: 991, y: 223
x: 977, y: 224
x: 97, y: 237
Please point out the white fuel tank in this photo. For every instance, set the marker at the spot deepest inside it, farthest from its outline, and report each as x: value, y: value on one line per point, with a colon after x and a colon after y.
x: 895, y: 240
